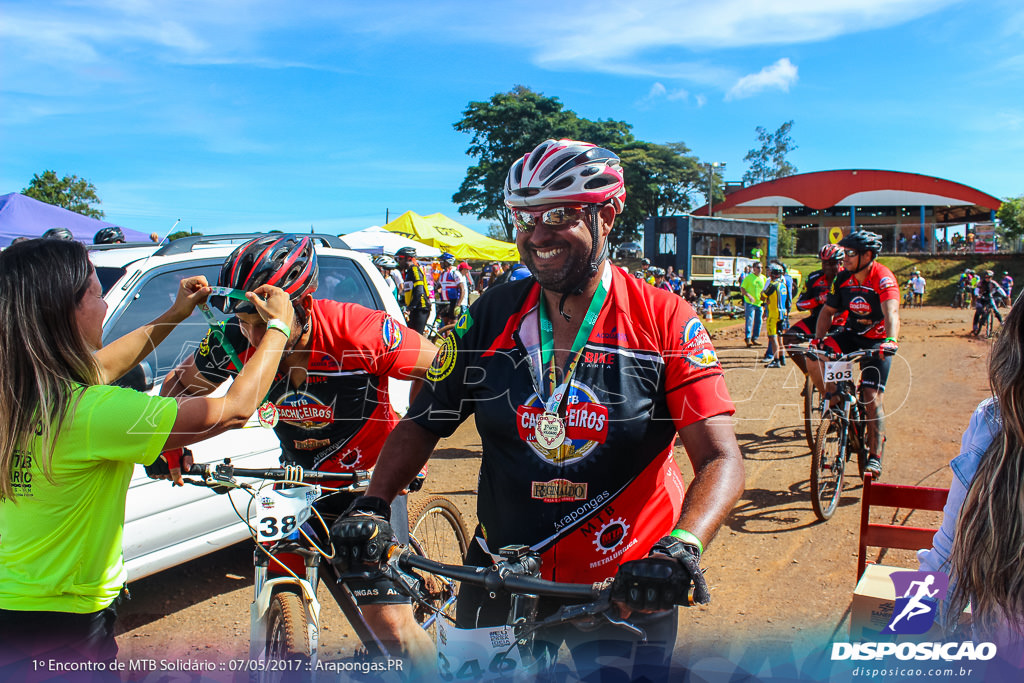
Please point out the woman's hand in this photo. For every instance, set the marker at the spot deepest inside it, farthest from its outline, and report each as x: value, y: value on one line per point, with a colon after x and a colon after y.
x: 273, y: 302
x: 191, y: 292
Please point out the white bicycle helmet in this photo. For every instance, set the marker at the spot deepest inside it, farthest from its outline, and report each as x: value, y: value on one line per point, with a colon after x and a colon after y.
x: 560, y: 171
x: 565, y: 171
x: 385, y: 261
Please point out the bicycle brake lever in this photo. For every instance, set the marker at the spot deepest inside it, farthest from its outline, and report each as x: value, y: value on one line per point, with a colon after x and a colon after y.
x: 632, y: 628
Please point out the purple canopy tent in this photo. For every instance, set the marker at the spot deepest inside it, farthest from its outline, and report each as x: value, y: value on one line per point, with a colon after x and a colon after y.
x: 22, y: 216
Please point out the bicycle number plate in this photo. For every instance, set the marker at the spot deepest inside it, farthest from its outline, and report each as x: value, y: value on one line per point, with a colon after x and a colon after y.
x: 477, y: 654
x: 280, y: 512
x: 839, y: 371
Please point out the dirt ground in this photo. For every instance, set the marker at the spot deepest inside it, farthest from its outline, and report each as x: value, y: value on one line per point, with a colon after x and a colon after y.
x: 776, y: 573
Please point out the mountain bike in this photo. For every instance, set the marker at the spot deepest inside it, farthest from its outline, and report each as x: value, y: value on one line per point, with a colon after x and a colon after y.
x: 988, y: 306
x: 506, y: 651
x: 960, y: 298
x: 293, y: 550
x: 811, y: 395
x: 841, y: 434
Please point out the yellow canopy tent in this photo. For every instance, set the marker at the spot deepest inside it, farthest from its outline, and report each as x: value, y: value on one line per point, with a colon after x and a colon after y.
x: 442, y: 232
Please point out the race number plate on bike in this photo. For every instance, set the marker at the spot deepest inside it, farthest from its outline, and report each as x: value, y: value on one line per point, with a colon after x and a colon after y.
x: 477, y: 654
x: 840, y: 371
x: 280, y: 512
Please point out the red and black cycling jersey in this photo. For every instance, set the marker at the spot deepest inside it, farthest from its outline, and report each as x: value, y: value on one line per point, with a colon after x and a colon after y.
x: 863, y: 299
x: 613, y: 488
x: 985, y: 290
x: 812, y: 297
x: 336, y: 420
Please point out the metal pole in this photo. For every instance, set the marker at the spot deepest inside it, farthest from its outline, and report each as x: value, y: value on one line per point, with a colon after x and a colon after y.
x: 711, y: 192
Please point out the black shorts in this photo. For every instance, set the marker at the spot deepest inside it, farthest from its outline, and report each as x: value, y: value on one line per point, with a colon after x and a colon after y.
x: 800, y: 327
x: 450, y: 311
x: 375, y: 591
x: 874, y: 372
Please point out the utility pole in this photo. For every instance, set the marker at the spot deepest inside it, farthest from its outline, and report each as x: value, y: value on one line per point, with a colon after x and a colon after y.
x: 711, y: 166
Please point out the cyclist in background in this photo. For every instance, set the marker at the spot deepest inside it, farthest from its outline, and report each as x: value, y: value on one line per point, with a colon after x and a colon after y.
x: 1007, y: 284
x: 109, y: 235
x: 868, y: 292
x: 415, y: 289
x: 388, y: 267
x: 986, y: 295
x: 774, y: 297
x: 659, y: 280
x: 812, y: 299
x: 588, y: 376
x: 453, y: 289
x: 329, y: 398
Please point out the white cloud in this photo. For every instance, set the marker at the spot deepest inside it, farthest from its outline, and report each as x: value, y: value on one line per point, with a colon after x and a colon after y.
x: 701, y: 100
x: 657, y: 92
x: 780, y: 75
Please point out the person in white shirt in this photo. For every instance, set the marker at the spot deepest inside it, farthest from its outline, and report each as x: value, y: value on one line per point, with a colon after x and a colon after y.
x: 917, y: 283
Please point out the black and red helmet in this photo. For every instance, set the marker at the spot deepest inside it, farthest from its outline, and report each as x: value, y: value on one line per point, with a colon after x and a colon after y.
x: 285, y: 261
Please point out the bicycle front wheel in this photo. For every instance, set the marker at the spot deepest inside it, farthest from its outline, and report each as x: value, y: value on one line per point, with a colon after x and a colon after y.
x: 437, y: 531
x: 812, y: 412
x: 827, y: 464
x: 288, y: 636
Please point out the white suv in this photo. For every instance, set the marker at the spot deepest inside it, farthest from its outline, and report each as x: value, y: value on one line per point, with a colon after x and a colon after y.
x: 166, y: 526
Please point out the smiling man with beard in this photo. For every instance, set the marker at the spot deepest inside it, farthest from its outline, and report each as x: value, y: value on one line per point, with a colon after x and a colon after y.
x: 579, y: 378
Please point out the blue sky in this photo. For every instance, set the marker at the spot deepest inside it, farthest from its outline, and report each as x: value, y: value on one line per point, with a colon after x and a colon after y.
x: 255, y: 114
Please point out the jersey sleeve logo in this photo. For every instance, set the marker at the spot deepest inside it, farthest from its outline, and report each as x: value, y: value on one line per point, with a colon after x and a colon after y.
x: 391, y: 333
x: 696, y: 345
x: 886, y: 282
x: 444, y: 361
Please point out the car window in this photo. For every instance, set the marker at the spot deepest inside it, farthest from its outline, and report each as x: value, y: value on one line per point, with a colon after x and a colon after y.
x: 108, y: 276
x: 151, y: 299
x: 341, y: 279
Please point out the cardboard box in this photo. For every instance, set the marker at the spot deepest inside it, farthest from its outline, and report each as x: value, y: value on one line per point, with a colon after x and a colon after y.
x: 873, y: 602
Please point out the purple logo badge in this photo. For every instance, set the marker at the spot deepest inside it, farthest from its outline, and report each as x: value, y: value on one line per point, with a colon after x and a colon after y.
x: 917, y: 597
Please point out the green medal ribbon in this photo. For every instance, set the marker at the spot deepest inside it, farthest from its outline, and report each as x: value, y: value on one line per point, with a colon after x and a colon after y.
x: 547, y: 344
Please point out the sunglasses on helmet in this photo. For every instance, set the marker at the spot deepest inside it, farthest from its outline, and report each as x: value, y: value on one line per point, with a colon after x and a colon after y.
x: 559, y: 217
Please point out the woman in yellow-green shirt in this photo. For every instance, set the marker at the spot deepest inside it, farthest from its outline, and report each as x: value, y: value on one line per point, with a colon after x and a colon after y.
x: 69, y: 443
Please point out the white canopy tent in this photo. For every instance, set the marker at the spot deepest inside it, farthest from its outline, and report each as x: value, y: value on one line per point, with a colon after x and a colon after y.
x: 377, y: 240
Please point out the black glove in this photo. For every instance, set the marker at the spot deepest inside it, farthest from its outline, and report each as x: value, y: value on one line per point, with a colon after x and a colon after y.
x: 361, y: 535
x: 662, y: 580
x: 170, y: 464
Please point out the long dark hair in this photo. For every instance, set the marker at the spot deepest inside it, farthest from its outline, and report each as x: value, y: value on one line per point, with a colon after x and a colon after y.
x: 987, y: 561
x: 44, y: 359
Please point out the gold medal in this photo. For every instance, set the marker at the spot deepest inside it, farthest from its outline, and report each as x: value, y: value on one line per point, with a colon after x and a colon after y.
x: 267, y: 415
x: 550, y: 430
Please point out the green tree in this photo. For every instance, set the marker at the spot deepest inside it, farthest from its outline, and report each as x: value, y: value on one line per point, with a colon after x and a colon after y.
x: 181, y: 233
x: 787, y: 240
x: 768, y: 162
x: 1011, y: 217
x: 70, y: 192
x: 661, y: 180
x: 503, y: 129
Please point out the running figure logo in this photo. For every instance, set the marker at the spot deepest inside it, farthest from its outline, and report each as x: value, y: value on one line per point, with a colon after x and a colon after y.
x: 921, y: 593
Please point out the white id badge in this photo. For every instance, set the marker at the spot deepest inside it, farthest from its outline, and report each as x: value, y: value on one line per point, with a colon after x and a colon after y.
x: 477, y: 654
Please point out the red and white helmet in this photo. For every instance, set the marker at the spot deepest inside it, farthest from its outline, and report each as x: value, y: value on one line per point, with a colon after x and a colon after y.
x: 831, y: 252
x: 560, y: 171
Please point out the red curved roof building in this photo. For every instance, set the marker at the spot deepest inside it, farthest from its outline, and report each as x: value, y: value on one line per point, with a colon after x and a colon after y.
x: 892, y: 203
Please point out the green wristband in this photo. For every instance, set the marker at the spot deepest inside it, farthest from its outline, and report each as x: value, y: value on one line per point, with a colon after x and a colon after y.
x: 889, y: 339
x: 687, y: 537
x: 280, y: 326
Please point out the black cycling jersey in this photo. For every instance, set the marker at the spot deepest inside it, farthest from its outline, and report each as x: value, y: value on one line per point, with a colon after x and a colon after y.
x: 612, y: 488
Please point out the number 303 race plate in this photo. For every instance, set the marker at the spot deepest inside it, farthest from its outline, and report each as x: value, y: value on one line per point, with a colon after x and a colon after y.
x: 839, y: 371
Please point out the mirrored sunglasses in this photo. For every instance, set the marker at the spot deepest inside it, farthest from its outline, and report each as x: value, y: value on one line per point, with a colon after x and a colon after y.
x: 559, y: 217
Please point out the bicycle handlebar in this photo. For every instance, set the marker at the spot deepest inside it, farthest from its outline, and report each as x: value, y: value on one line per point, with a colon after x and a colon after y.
x: 224, y: 474
x: 822, y: 354
x: 494, y: 579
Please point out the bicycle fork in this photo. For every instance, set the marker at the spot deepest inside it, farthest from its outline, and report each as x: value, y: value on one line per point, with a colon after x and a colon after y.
x: 265, y: 588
